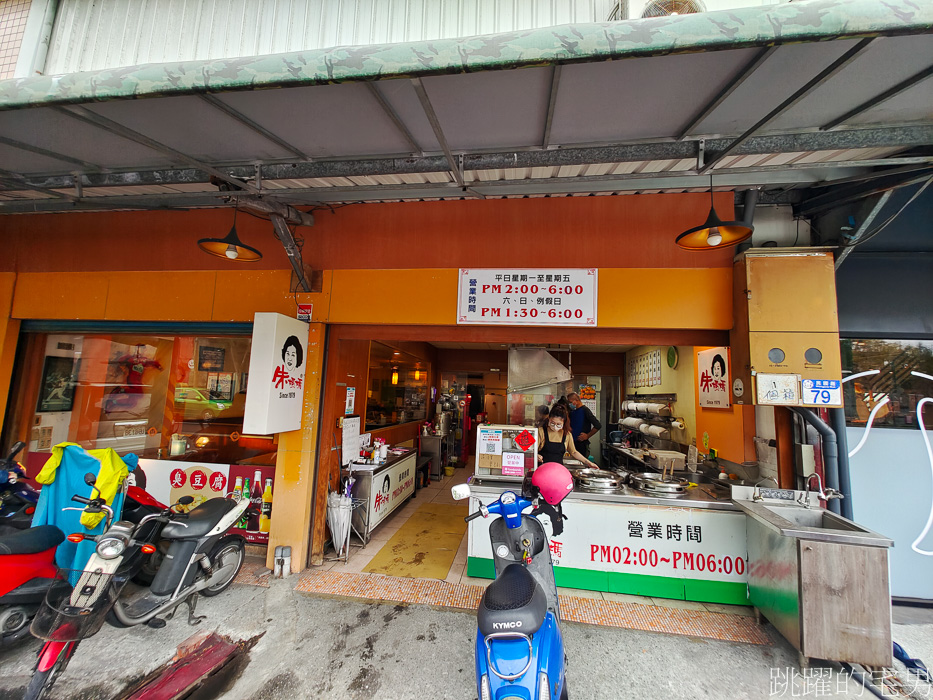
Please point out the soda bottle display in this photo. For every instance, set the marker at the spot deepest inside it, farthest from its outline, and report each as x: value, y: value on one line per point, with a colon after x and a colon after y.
x: 238, y: 487
x: 255, y: 504
x: 244, y: 493
x: 266, y: 514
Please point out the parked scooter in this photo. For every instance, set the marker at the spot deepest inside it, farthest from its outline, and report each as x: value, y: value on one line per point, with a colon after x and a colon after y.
x: 519, y: 647
x: 17, y: 498
x: 201, y: 559
x: 27, y: 570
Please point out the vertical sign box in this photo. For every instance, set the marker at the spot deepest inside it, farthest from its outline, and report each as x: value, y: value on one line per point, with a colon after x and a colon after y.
x: 276, y: 374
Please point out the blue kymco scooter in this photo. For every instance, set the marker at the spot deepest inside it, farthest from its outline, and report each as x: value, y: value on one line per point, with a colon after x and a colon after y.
x: 519, y: 647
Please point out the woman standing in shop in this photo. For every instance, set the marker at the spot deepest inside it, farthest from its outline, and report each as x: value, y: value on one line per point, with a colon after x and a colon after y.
x: 554, y: 439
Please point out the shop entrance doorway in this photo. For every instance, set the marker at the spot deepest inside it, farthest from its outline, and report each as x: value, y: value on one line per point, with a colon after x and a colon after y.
x: 463, y: 383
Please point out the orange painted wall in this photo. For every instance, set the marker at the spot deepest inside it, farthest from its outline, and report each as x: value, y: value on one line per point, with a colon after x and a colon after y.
x: 731, y: 430
x: 614, y: 231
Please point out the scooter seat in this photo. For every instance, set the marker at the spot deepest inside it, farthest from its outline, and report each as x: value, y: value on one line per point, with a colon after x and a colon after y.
x: 200, y: 521
x: 32, y: 541
x: 514, y: 602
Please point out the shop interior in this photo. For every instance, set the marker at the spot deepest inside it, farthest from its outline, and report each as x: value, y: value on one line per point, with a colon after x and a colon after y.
x: 427, y: 400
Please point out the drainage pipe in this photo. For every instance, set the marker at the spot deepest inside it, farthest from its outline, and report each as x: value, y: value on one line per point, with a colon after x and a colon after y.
x: 830, y: 452
x: 838, y: 420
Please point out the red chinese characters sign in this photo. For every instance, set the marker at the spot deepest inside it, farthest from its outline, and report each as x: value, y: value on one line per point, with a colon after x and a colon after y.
x: 545, y: 297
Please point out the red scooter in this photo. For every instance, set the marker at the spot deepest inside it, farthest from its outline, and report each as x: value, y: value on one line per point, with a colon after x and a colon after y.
x: 27, y: 564
x: 27, y: 570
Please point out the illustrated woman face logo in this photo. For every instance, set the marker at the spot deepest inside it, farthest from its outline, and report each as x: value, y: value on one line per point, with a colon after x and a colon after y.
x: 291, y: 359
x: 292, y: 354
x: 719, y: 367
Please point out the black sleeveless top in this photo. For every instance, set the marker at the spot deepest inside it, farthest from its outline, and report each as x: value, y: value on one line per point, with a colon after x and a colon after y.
x: 551, y: 450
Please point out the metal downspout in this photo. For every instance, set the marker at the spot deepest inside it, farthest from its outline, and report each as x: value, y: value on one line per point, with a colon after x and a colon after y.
x: 838, y: 421
x: 748, y: 216
x: 830, y: 452
x: 37, y: 39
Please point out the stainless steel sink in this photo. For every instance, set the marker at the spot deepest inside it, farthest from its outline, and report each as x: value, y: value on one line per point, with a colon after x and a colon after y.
x: 820, y: 579
x: 815, y: 518
x: 812, y: 524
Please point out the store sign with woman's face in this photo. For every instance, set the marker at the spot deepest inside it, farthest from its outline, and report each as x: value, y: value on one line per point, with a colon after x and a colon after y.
x: 713, y: 379
x: 276, y: 374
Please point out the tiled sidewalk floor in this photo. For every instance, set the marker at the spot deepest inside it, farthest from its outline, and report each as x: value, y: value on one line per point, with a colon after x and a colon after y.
x: 650, y: 618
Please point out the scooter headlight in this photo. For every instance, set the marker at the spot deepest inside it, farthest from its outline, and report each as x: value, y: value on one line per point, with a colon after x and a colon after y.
x: 484, y: 692
x: 544, y: 690
x: 110, y: 547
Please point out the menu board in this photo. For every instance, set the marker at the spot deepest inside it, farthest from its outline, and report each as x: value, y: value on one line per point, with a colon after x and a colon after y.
x: 350, y: 445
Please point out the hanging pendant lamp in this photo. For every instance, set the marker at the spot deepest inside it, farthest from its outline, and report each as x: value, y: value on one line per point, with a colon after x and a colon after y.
x: 230, y: 246
x: 714, y: 233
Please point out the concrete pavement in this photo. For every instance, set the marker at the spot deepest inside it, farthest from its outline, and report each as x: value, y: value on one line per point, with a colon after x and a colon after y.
x: 319, y: 647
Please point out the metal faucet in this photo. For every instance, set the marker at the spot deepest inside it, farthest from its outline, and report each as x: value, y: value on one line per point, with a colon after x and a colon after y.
x: 756, y: 494
x: 826, y: 495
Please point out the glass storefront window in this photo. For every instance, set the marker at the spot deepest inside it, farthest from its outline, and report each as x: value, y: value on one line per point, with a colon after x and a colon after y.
x: 895, y: 390
x: 398, y: 387
x: 177, y: 397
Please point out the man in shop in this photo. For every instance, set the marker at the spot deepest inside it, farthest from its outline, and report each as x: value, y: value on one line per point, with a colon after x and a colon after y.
x: 583, y: 424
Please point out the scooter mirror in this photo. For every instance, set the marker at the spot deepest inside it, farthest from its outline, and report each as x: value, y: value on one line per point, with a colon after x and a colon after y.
x: 460, y: 491
x: 185, y: 500
x: 90, y: 479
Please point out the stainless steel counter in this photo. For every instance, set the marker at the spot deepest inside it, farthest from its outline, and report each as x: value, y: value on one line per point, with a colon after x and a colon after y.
x: 694, y: 498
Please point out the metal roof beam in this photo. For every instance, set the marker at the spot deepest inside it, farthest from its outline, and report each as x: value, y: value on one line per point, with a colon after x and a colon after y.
x: 597, y: 183
x: 744, y: 73
x: 19, y: 184
x: 551, y: 104
x: 395, y: 118
x: 878, y: 99
x: 49, y: 154
x: 219, y: 104
x: 844, y: 194
x: 438, y: 132
x: 922, y: 163
x: 842, y: 139
x: 88, y: 117
x: 865, y: 226
x: 798, y: 95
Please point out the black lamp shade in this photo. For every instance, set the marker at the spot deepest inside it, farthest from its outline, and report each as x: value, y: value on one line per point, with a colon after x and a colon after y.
x: 731, y: 233
x: 227, y: 246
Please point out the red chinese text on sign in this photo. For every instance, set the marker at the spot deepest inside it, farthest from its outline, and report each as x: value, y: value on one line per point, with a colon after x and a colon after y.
x: 198, y: 480
x: 218, y: 482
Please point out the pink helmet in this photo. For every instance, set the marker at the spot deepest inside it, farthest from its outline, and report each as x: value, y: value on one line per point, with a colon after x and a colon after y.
x: 554, y: 482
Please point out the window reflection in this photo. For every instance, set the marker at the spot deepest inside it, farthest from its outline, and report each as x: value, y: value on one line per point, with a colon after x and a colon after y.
x: 894, y: 388
x: 178, y: 397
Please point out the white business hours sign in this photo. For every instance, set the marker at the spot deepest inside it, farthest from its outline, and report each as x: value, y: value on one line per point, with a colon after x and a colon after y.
x: 555, y: 297
x: 276, y: 374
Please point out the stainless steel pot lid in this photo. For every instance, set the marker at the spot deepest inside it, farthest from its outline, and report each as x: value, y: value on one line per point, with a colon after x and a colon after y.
x: 654, y: 482
x: 598, y: 477
x: 594, y: 474
x: 599, y: 489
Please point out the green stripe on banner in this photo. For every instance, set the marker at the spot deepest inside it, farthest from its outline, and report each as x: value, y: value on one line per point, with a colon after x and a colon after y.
x: 728, y: 592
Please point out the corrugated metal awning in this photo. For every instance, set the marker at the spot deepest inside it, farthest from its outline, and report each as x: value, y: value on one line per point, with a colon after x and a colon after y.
x: 782, y: 98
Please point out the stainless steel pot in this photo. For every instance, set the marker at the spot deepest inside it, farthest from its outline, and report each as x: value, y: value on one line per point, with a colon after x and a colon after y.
x: 597, y: 478
x: 653, y: 483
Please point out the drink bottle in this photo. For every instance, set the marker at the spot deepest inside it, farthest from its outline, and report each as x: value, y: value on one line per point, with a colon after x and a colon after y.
x: 266, y: 514
x: 255, y: 498
x: 244, y: 494
x: 238, y: 487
